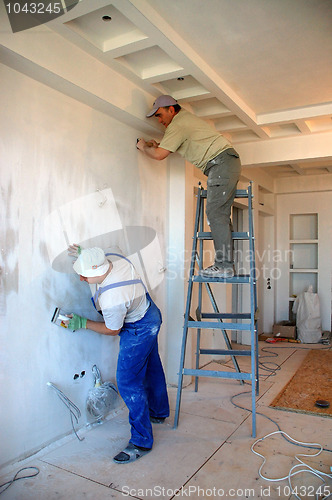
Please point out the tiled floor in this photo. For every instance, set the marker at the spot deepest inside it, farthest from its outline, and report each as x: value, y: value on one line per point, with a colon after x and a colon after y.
x: 208, y: 456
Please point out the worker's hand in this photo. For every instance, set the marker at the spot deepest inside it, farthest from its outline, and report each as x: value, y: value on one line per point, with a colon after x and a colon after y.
x: 141, y: 143
x: 74, y: 250
x: 76, y: 322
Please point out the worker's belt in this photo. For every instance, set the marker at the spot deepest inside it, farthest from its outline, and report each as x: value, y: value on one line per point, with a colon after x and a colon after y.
x: 217, y: 159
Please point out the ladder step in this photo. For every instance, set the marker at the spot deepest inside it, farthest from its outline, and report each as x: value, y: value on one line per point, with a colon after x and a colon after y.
x: 226, y: 315
x: 240, y: 193
x: 219, y: 325
x: 211, y: 373
x: 244, y: 278
x: 206, y: 235
x: 225, y: 352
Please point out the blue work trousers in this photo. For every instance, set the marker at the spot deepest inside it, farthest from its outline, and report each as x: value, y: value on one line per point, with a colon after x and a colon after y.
x: 140, y: 375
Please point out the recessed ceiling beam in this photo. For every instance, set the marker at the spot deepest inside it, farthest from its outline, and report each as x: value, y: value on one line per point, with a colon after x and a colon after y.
x: 150, y: 22
x: 297, y: 168
x: 291, y: 115
x: 303, y: 126
x: 286, y: 150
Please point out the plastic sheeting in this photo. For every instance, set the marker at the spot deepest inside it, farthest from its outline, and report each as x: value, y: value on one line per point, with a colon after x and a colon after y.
x: 102, y: 398
x: 308, y: 319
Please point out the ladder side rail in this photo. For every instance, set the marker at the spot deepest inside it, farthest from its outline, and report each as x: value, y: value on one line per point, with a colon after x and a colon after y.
x: 182, y: 355
x: 187, y: 312
x: 199, y: 261
x: 254, y: 284
x: 254, y: 374
x: 255, y: 293
x: 252, y: 239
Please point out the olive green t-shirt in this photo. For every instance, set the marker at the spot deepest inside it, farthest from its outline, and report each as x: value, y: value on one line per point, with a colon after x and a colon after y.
x: 194, y: 139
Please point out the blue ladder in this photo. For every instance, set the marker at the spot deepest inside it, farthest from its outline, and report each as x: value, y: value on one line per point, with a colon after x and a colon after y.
x: 204, y: 320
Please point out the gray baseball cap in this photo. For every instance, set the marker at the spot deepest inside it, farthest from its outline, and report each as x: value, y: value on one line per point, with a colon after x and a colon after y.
x: 161, y: 102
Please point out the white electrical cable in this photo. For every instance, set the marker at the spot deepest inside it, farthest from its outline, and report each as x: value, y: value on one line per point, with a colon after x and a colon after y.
x: 73, y: 409
x: 6, y: 485
x: 305, y: 467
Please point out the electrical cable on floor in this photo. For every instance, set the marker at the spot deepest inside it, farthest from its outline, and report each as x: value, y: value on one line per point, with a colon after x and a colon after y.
x: 313, y: 446
x: 16, y: 478
x: 301, y: 467
x: 300, y: 347
x: 274, y: 366
x: 265, y: 416
x: 271, y: 353
x: 272, y: 369
x: 73, y: 409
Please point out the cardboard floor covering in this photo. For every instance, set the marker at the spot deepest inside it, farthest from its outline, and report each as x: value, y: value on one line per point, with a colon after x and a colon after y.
x: 311, y: 382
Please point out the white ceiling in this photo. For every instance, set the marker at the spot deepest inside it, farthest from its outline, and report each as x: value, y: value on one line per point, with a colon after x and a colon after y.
x: 258, y: 69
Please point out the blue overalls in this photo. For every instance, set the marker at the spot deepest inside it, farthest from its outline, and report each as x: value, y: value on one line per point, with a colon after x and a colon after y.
x: 140, y: 375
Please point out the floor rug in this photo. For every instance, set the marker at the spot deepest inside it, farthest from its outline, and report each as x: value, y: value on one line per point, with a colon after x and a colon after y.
x: 311, y: 382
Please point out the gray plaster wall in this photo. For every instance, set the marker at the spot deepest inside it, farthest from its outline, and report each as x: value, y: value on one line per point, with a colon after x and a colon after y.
x: 68, y: 174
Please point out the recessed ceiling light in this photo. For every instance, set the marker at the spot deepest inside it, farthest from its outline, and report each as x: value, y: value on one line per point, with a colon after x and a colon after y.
x: 107, y: 19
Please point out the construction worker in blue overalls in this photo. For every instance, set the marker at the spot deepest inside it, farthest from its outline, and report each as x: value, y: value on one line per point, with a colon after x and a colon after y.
x: 128, y: 311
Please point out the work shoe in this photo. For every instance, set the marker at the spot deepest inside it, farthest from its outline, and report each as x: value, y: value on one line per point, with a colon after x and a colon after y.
x: 130, y: 454
x: 224, y: 271
x: 157, y: 420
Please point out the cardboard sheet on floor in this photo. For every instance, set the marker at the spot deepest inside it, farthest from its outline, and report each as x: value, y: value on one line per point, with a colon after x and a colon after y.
x: 311, y: 382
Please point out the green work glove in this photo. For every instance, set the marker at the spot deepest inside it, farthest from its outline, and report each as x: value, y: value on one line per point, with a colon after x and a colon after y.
x: 74, y: 250
x: 76, y: 322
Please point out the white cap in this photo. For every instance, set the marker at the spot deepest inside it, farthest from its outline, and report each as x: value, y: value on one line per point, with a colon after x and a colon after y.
x: 91, y: 263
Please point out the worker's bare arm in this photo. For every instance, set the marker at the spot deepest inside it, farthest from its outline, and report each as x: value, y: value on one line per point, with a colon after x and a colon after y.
x: 100, y: 327
x: 152, y: 149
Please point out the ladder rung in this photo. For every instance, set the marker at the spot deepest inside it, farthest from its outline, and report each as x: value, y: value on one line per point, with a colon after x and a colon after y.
x: 206, y: 235
x: 240, y: 193
x: 218, y: 324
x: 223, y: 352
x: 226, y: 316
x: 244, y: 278
x: 211, y: 373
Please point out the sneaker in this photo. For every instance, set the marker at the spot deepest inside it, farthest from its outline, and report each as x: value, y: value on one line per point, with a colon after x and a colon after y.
x: 217, y: 272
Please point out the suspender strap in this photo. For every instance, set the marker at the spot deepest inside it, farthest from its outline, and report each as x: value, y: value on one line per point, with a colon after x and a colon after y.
x: 116, y: 285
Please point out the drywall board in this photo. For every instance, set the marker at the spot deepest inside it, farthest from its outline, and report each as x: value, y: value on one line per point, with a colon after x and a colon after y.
x: 67, y: 172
